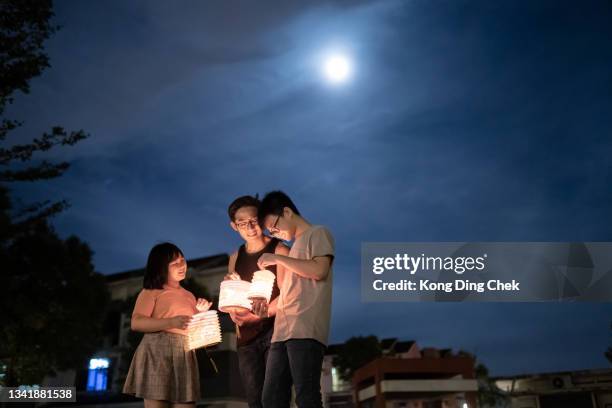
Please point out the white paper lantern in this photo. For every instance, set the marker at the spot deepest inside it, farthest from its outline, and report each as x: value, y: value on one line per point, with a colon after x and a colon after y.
x: 233, y: 296
x: 262, y: 285
x: 203, y: 330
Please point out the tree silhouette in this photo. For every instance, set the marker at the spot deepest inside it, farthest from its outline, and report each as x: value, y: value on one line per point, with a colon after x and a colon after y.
x: 54, y: 302
x: 355, y: 353
x: 24, y: 27
x: 52, y: 318
x: 489, y: 395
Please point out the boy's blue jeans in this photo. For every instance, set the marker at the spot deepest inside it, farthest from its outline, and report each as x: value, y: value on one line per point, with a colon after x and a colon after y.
x: 297, y: 362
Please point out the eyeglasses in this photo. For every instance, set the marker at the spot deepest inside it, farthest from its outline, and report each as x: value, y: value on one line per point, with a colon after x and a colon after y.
x: 273, y: 230
x: 245, y: 224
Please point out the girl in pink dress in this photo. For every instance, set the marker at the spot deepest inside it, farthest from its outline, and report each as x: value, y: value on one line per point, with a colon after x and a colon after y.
x: 162, y: 371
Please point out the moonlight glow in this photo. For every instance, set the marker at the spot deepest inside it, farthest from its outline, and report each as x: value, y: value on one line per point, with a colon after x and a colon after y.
x: 337, y: 68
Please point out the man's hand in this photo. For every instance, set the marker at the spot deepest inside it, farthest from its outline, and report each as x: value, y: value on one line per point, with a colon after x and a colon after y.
x: 267, y: 260
x: 260, y: 307
x: 243, y: 317
x: 233, y: 317
x: 231, y: 276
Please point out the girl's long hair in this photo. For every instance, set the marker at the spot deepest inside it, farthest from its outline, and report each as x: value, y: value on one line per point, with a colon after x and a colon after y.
x: 156, y: 273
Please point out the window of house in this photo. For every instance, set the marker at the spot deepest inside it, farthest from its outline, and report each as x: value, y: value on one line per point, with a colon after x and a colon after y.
x: 338, y: 384
x: 97, y: 377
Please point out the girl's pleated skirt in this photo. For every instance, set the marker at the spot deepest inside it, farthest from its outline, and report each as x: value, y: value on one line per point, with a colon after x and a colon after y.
x: 162, y: 370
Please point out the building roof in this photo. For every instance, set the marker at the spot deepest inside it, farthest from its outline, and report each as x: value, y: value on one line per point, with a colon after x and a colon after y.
x: 386, y: 344
x: 207, y: 262
x: 403, y: 346
x: 594, y: 371
x: 390, y: 345
x: 387, y: 367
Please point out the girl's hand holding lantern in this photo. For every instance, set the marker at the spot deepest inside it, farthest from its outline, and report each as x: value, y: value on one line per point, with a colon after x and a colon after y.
x: 203, y: 305
x: 179, y: 322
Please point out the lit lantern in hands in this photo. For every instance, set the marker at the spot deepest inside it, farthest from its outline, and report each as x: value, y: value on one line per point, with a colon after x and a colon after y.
x: 203, y: 330
x: 233, y: 296
x: 261, y: 285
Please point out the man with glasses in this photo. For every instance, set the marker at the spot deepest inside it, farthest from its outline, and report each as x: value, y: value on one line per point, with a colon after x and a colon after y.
x: 254, y: 329
x: 304, y: 305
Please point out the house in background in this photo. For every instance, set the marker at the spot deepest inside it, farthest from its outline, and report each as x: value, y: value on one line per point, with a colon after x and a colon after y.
x: 405, y: 376
x: 569, y: 389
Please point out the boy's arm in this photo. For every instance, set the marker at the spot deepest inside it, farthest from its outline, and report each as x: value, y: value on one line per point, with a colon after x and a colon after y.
x: 281, y: 249
x: 270, y: 308
x: 316, y: 268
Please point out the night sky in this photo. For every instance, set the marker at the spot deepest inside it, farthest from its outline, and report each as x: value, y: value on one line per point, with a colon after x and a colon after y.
x: 462, y: 121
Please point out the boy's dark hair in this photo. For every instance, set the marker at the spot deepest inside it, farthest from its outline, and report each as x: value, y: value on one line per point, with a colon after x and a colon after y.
x: 156, y: 273
x: 273, y: 204
x: 244, y: 201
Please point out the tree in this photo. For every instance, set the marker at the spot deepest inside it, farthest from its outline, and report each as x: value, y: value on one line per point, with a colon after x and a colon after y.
x: 52, y: 318
x: 54, y: 301
x: 355, y: 353
x: 24, y: 27
x: 489, y: 395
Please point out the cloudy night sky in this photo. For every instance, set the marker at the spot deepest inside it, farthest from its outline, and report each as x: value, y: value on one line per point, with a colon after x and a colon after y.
x: 461, y: 121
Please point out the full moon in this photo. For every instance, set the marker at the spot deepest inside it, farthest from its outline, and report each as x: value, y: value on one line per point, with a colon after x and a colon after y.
x: 337, y: 68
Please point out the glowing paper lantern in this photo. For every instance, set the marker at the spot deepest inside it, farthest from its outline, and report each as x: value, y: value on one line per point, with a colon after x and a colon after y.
x: 233, y: 296
x: 261, y: 285
x: 203, y: 330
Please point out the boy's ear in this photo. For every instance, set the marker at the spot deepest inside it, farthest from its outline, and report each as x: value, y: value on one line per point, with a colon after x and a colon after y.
x: 233, y: 225
x: 287, y: 212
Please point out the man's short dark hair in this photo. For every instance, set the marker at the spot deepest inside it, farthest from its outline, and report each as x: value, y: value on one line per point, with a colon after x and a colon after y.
x: 273, y: 204
x: 244, y: 201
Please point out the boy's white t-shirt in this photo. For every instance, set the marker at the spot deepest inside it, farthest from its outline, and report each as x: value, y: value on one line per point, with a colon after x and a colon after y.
x: 304, y: 305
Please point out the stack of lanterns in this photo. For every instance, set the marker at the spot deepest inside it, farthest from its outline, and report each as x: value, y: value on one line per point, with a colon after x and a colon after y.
x: 261, y: 285
x: 203, y: 330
